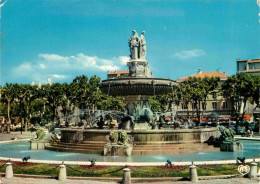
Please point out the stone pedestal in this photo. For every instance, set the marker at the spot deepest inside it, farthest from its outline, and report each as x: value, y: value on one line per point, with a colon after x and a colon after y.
x: 193, y: 174
x: 62, y: 173
x: 231, y: 146
x: 126, y: 176
x: 38, y: 144
x: 253, y: 170
x: 139, y: 68
x: 132, y: 101
x: 118, y: 150
x: 139, y: 109
x: 9, y: 170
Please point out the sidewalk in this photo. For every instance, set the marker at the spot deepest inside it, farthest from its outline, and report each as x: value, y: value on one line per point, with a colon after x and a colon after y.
x: 254, y: 138
x: 16, y: 180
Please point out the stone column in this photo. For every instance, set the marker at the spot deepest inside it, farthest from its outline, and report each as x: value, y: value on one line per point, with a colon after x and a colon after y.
x: 63, y: 173
x: 193, y: 174
x: 253, y: 170
x: 126, y: 176
x: 133, y: 100
x: 9, y: 170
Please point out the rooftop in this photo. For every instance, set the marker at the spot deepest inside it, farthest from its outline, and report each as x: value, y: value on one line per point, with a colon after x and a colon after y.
x: 202, y: 74
x: 118, y: 72
x: 257, y: 60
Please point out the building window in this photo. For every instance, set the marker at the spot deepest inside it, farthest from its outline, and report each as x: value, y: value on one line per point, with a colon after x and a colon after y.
x: 225, y: 96
x: 252, y: 66
x: 183, y: 106
x: 214, y: 95
x: 214, y: 105
x: 193, y: 106
x: 203, y: 105
x: 225, y: 105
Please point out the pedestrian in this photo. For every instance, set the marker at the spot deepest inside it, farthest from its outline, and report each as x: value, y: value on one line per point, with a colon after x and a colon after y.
x: 248, y: 133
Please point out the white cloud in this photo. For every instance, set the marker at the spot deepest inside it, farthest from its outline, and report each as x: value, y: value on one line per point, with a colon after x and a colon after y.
x: 59, y: 76
x: 53, y: 57
x: 25, y: 66
x: 186, y: 54
x: 62, y: 67
x: 42, y: 66
x: 124, y: 59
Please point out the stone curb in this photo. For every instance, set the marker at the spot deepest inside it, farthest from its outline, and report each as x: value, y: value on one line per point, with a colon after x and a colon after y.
x: 130, y: 163
x: 134, y: 180
x: 10, y: 141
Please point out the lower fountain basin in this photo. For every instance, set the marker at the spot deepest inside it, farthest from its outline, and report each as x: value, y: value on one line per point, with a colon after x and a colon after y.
x: 251, y: 149
x: 144, y: 141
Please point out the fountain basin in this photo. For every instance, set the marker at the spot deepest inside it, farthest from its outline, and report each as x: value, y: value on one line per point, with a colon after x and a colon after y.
x: 137, y: 86
x: 144, y: 142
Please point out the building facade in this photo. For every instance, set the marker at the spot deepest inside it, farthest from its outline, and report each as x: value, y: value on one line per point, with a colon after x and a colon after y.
x: 117, y: 74
x: 250, y: 66
x: 215, y: 103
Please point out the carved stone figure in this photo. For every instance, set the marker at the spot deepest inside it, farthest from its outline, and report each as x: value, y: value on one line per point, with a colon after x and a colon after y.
x: 226, y: 134
x: 113, y: 137
x: 134, y: 45
x: 111, y: 123
x: 40, y: 134
x: 142, y: 46
x: 122, y: 138
x: 119, y: 144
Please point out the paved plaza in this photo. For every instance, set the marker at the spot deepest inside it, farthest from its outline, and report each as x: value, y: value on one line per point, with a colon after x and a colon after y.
x: 18, y: 135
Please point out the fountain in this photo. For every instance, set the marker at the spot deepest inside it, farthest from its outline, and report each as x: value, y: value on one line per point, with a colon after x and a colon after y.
x: 139, y: 86
x: 139, y: 123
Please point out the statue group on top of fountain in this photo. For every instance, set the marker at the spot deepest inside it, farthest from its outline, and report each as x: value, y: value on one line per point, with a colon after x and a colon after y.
x: 137, y: 46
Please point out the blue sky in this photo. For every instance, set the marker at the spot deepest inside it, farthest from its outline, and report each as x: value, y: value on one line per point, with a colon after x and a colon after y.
x: 64, y: 38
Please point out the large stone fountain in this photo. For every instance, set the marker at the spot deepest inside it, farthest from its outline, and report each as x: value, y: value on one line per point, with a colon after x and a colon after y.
x: 139, y: 85
x: 136, y: 88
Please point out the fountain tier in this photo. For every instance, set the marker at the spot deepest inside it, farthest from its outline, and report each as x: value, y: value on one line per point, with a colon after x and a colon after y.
x: 137, y: 86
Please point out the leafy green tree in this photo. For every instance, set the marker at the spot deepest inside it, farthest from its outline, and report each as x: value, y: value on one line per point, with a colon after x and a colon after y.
x: 241, y: 88
x: 8, y: 96
x: 54, y: 94
x: 80, y: 92
x: 27, y: 93
x: 162, y: 102
x: 95, y: 92
x: 66, y: 105
x: 111, y: 103
x: 195, y: 91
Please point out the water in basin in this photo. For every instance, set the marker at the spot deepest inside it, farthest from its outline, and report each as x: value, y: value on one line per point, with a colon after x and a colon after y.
x: 251, y: 149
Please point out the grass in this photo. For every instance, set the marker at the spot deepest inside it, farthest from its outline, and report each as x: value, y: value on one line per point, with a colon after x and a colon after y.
x: 32, y: 169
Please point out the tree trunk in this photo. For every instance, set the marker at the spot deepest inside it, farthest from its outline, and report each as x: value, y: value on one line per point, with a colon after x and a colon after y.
x: 244, y: 109
x: 8, y: 108
x: 22, y: 123
x: 27, y: 118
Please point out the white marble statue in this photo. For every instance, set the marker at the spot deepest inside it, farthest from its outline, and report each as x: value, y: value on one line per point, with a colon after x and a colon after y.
x: 134, y: 45
x: 142, y: 46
